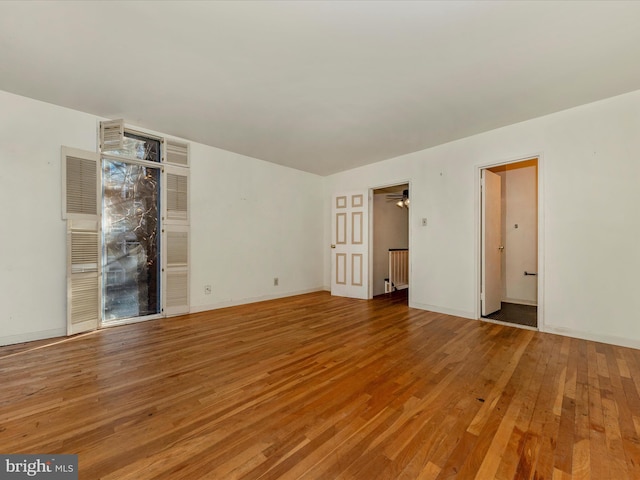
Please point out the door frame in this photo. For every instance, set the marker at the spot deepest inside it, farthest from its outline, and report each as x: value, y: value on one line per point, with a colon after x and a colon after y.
x: 102, y: 323
x: 478, y: 231
x: 371, y: 227
x: 492, y: 248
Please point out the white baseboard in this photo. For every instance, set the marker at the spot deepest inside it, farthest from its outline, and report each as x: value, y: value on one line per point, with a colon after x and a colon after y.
x: 594, y: 337
x: 32, y: 336
x: 447, y: 311
x: 567, y: 332
x: 244, y: 301
x: 519, y: 301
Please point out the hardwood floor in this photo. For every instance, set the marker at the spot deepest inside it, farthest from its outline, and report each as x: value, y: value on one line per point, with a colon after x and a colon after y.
x: 319, y: 387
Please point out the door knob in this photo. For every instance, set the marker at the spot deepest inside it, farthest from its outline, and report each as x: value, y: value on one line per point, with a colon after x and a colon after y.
x: 333, y: 246
x: 501, y: 247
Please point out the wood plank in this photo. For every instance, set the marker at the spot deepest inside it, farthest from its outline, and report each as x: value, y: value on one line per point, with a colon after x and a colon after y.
x: 502, y: 458
x: 315, y: 386
x: 582, y: 462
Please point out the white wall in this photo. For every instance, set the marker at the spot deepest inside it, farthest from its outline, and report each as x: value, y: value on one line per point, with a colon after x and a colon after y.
x: 390, y: 230
x: 251, y: 221
x: 589, y: 186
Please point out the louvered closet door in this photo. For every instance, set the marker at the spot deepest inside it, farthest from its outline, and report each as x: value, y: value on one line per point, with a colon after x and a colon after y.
x: 176, y: 271
x: 80, y: 207
x: 83, y: 276
x: 176, y: 229
x: 80, y: 184
x: 177, y: 195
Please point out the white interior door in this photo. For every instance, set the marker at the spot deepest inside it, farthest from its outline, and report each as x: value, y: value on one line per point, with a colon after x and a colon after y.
x: 492, y: 247
x: 350, y: 245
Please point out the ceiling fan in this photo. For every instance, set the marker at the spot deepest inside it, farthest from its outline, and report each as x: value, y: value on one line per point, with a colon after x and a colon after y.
x: 400, y: 199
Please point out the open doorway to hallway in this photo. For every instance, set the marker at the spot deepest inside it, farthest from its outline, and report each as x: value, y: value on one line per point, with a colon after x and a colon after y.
x: 390, y: 241
x: 509, y: 243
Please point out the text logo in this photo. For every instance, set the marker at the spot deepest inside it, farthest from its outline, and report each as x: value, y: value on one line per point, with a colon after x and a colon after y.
x: 50, y: 467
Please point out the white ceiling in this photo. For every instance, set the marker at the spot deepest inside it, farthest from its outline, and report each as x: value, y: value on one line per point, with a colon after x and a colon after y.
x: 321, y: 86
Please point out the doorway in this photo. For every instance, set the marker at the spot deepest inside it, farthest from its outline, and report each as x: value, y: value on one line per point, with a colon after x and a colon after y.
x: 509, y: 231
x: 390, y: 241
x: 130, y: 231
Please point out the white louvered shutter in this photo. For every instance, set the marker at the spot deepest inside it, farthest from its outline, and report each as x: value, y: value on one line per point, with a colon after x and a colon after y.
x: 111, y: 135
x: 177, y: 194
x: 83, y: 276
x: 176, y: 270
x: 176, y: 153
x: 80, y: 184
x: 176, y: 228
x: 81, y: 209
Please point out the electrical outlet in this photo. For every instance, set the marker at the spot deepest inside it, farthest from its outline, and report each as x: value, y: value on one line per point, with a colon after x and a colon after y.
x: 207, y: 289
x: 275, y: 281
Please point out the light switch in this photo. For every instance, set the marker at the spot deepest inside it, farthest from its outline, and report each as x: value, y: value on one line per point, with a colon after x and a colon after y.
x: 424, y: 222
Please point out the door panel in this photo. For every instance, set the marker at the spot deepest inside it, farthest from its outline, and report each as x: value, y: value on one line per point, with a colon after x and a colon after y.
x: 356, y: 269
x: 349, y: 265
x: 341, y: 228
x: 491, y: 242
x: 80, y: 199
x: 356, y: 228
x: 341, y: 268
x: 83, y: 276
x: 176, y: 232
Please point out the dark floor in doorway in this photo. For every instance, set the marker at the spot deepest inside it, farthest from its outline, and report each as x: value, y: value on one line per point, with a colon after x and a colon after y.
x: 397, y: 296
x: 515, y: 313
